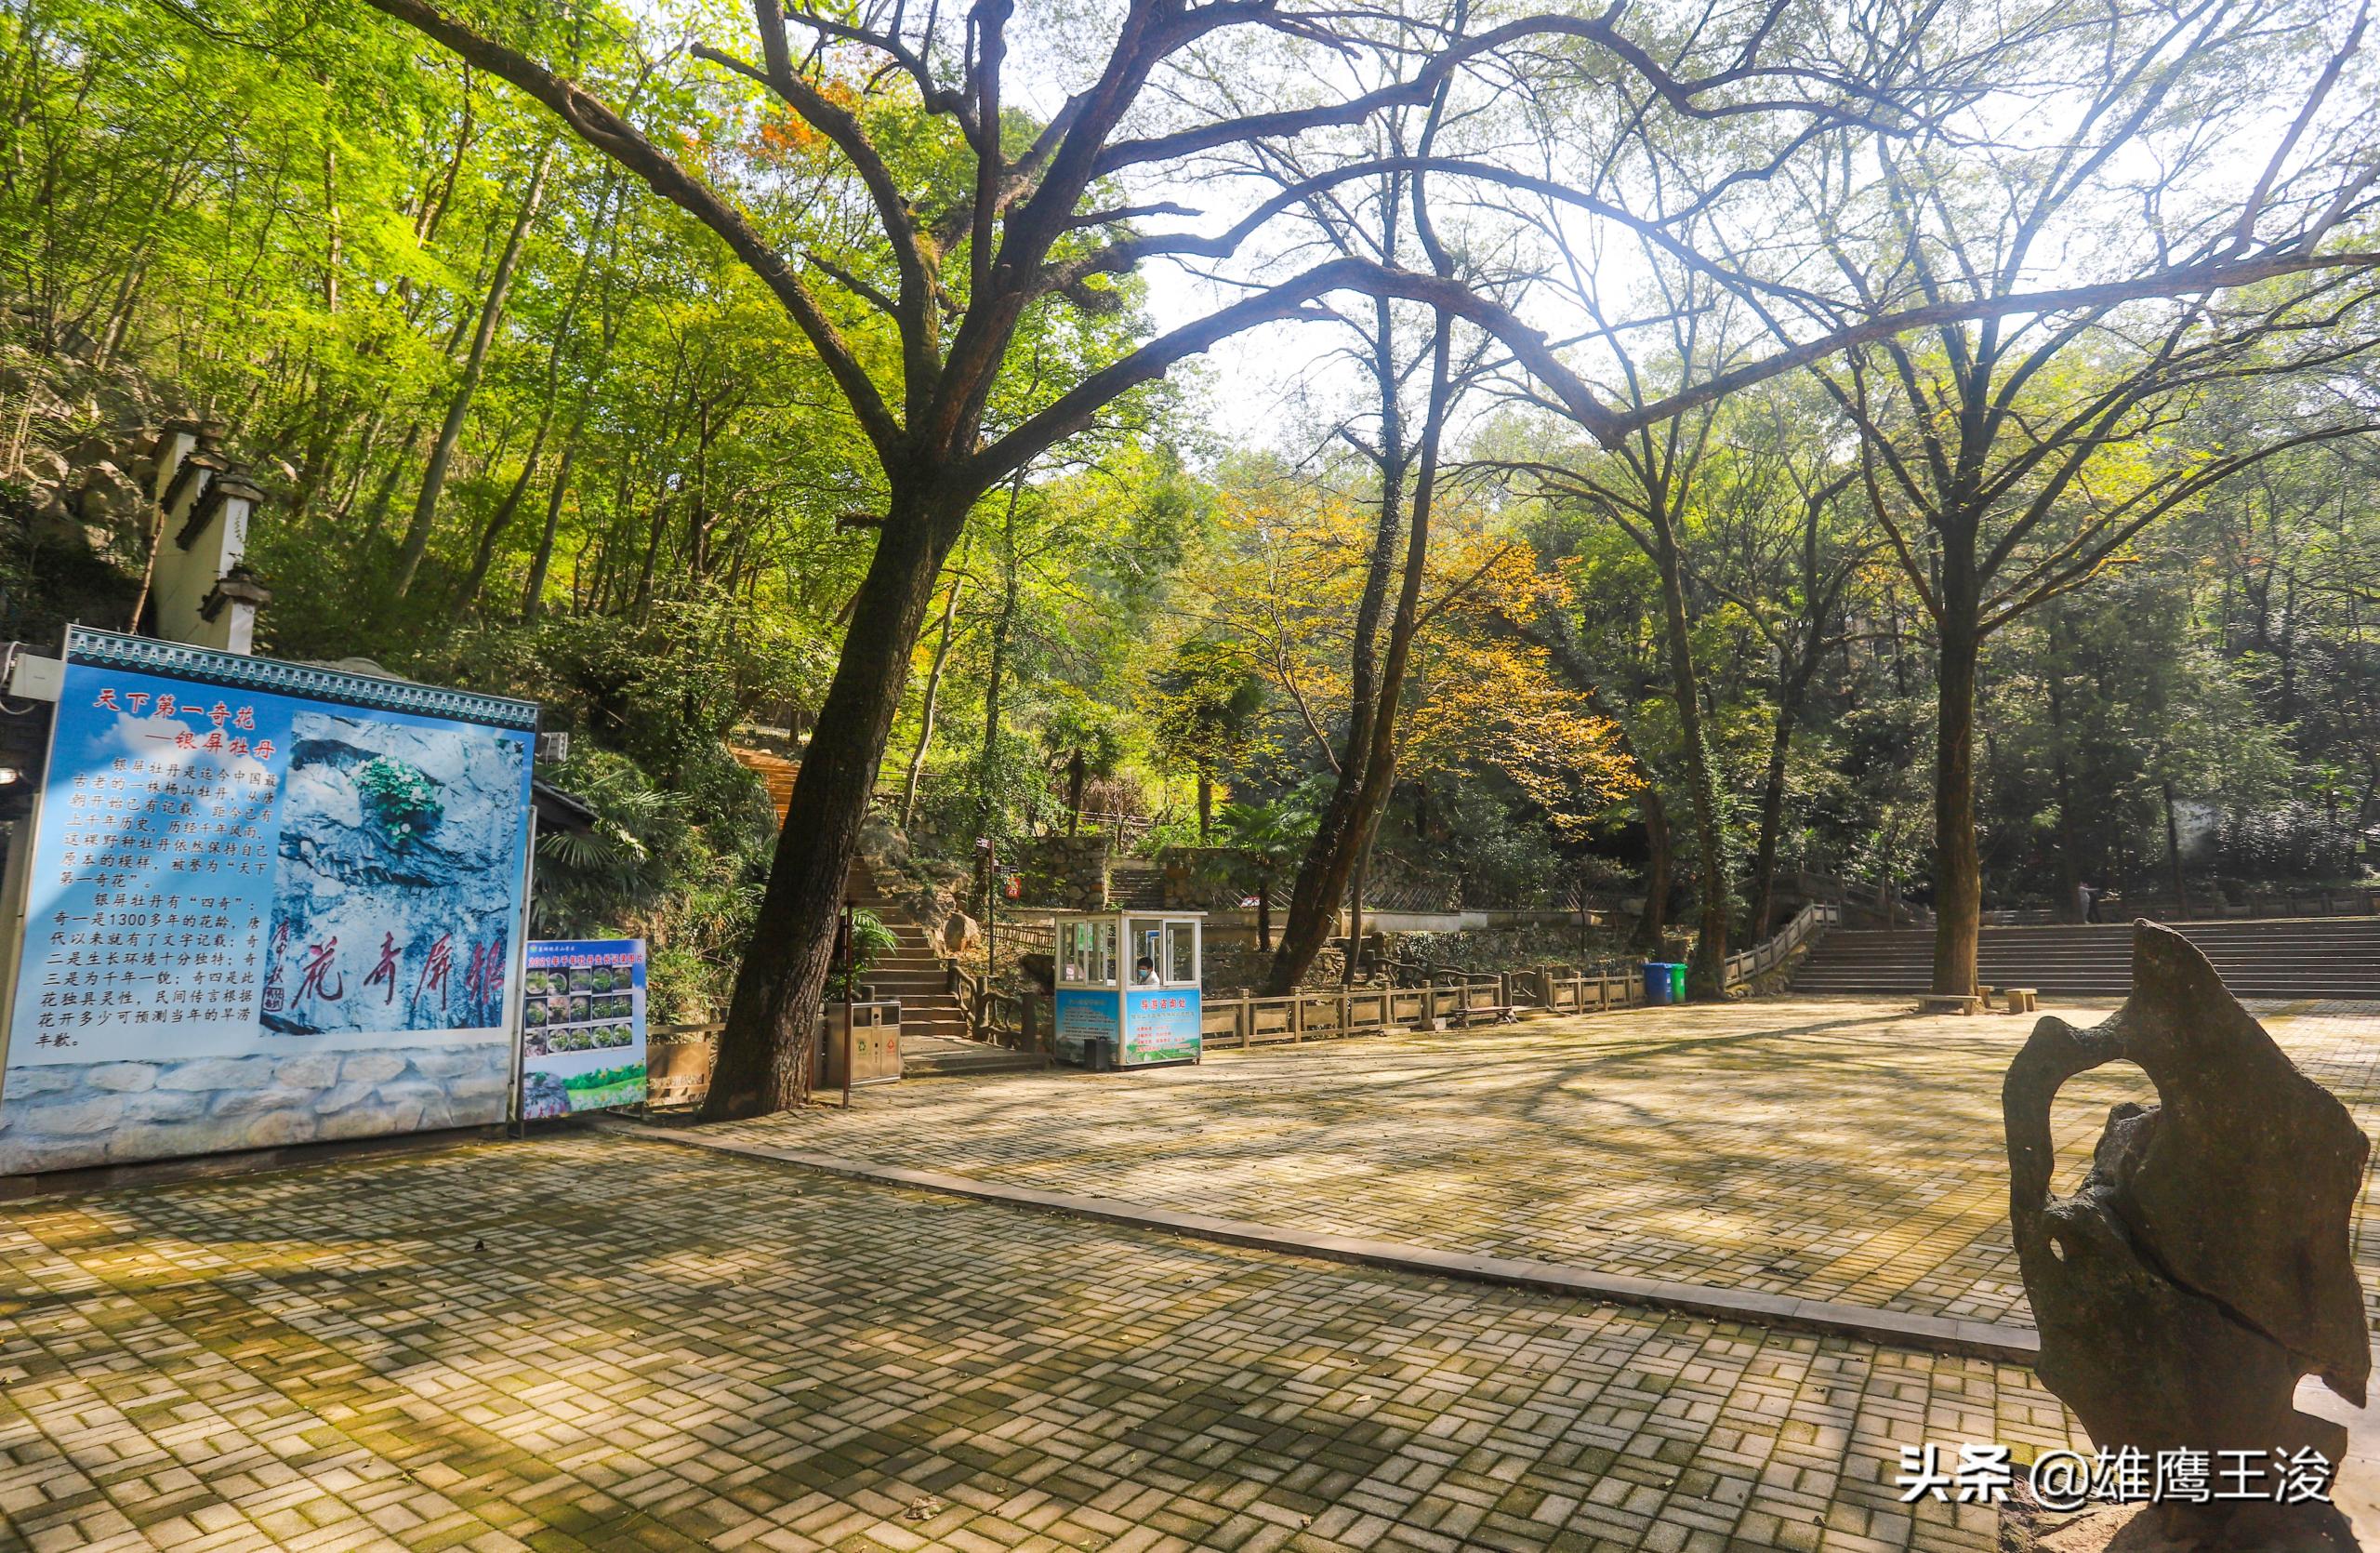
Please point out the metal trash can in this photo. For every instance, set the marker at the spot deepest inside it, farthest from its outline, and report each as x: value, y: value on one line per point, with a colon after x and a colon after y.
x: 1658, y: 985
x: 1099, y: 1054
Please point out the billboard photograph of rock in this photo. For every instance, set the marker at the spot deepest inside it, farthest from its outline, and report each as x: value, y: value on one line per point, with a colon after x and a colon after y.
x: 268, y: 903
x: 397, y: 877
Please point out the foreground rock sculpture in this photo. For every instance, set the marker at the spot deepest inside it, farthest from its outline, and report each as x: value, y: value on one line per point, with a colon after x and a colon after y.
x: 2203, y: 1266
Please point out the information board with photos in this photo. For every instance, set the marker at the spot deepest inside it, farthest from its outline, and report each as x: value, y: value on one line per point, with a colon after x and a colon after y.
x: 582, y: 1027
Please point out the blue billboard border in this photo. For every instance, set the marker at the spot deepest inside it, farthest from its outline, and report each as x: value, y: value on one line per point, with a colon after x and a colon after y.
x: 106, y: 649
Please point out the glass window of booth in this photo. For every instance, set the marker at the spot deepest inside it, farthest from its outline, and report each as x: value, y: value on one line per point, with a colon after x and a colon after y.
x: 1087, y: 953
x: 1180, y: 962
x: 1145, y: 948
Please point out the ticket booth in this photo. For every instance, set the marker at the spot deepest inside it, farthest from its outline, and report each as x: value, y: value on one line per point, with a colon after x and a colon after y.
x: 1128, y: 987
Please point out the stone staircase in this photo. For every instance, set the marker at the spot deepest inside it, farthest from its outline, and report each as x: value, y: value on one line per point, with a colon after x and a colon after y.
x: 934, y: 1036
x: 1135, y: 884
x: 2298, y: 957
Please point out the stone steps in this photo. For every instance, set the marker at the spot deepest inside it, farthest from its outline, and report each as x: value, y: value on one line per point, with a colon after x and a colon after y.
x: 2317, y: 957
x: 927, y: 1054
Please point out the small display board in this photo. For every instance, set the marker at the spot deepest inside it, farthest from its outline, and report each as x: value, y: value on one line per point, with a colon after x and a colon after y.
x: 582, y: 1036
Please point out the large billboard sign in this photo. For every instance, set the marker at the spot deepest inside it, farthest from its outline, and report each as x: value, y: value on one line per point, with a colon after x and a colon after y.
x: 582, y: 1027
x: 268, y: 903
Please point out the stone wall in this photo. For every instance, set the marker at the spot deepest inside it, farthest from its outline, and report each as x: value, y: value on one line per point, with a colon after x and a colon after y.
x: 1068, y: 872
x: 1206, y: 877
x: 67, y: 1116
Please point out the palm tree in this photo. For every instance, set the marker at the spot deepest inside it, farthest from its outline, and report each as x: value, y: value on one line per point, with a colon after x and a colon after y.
x: 1273, y: 836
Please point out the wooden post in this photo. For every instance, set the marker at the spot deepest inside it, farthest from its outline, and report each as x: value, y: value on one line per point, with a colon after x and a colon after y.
x: 848, y: 958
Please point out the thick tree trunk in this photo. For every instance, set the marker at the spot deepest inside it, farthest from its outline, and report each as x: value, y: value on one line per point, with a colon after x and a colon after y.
x: 1789, y: 697
x: 534, y: 593
x: 1958, y: 876
x: 442, y: 452
x: 2070, y: 865
x: 1355, y: 910
x: 764, y: 1049
x: 926, y: 712
x: 1378, y: 763
x: 1706, y: 971
x: 1322, y: 872
x: 2174, y: 857
x: 1652, y: 923
x: 1206, y: 806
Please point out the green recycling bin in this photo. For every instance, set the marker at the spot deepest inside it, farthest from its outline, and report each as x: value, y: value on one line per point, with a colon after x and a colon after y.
x: 1677, y: 983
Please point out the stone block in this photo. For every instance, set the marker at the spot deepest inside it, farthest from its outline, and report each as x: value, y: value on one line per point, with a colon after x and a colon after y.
x: 371, y: 1068
x: 252, y: 1102
x: 125, y: 1078
x: 73, y: 1116
x: 164, y: 1104
x: 311, y: 1070
x: 274, y: 1128
x: 2205, y: 1263
x: 163, y: 1140
x: 339, y: 1098
x: 435, y: 1108
x: 26, y: 1155
x: 23, y: 1083
x: 473, y: 1094
x: 446, y: 1063
x: 372, y: 1120
x: 217, y: 1073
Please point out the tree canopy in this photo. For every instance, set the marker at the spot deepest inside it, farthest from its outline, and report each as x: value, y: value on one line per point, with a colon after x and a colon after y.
x: 1659, y: 451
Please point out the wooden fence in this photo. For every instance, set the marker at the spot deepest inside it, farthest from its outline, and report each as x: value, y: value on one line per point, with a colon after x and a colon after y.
x: 1322, y: 1015
x: 1459, y: 998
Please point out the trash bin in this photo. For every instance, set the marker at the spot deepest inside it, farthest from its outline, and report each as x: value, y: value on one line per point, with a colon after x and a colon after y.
x: 1100, y: 1054
x: 1677, y: 982
x: 1657, y: 986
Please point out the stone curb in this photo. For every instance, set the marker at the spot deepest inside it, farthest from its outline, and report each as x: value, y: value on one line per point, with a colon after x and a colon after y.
x: 2007, y: 1345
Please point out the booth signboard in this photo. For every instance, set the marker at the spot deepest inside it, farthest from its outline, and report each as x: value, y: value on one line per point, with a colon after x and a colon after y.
x: 1160, y: 1025
x: 1084, y: 1015
x: 265, y: 903
x: 582, y: 1027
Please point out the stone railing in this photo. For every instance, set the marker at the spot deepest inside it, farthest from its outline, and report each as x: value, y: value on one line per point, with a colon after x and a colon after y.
x: 1808, y: 923
x: 2115, y: 909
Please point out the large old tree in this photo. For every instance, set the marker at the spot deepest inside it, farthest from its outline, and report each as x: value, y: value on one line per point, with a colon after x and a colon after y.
x: 974, y: 198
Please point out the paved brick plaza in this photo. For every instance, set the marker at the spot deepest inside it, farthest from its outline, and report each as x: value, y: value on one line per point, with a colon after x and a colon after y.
x: 597, y: 1341
x: 1831, y: 1149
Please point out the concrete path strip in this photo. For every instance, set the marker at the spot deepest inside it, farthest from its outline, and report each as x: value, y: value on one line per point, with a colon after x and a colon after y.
x: 2012, y: 1345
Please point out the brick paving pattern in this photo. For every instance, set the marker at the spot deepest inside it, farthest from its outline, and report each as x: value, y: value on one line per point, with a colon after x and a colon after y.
x: 593, y: 1342
x: 1829, y: 1148
x: 590, y: 1341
